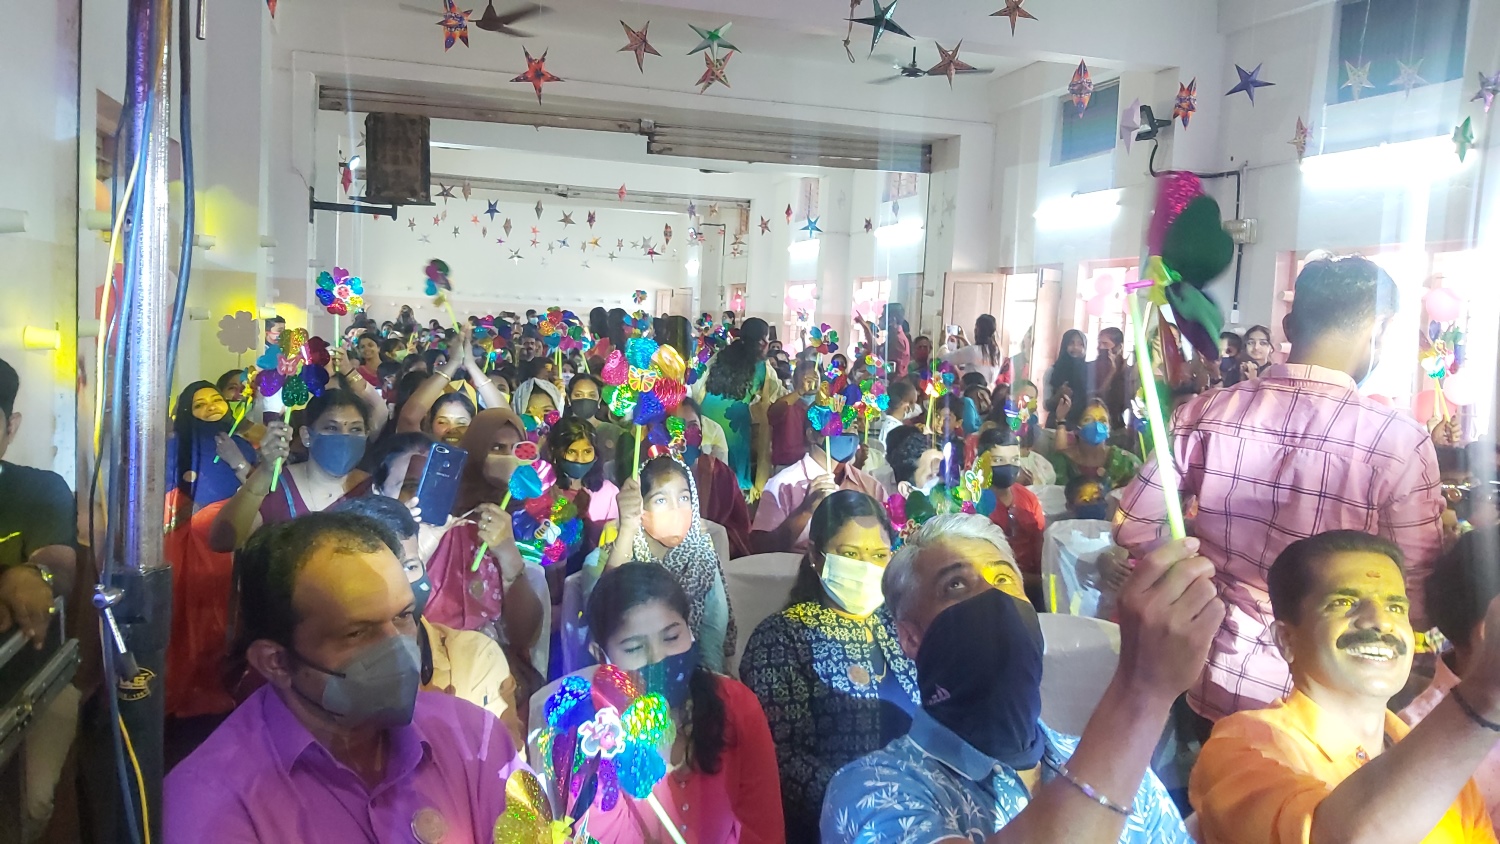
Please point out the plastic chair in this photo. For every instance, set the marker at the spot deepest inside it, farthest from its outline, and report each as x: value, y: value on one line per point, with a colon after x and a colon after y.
x: 758, y: 588
x: 1078, y: 662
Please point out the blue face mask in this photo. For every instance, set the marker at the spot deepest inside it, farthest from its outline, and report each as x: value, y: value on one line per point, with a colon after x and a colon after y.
x: 690, y: 455
x: 807, y: 399
x: 842, y: 447
x: 421, y: 591
x: 1094, y: 433
x: 337, y: 454
x: 1098, y: 511
x: 672, y: 677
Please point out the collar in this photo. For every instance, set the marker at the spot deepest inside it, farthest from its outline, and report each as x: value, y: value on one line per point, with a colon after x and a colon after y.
x: 945, y: 746
x: 291, y: 741
x: 1328, y: 731
x: 1309, y: 372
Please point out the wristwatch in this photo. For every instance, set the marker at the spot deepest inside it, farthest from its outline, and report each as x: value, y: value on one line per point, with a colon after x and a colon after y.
x: 46, y: 574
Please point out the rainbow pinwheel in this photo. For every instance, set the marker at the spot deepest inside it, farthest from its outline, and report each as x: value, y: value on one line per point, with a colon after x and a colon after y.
x: 645, y: 383
x: 937, y: 384
x: 528, y: 815
x: 824, y: 339
x: 1443, y: 346
x: 438, y: 286
x: 340, y: 293
x: 638, y: 297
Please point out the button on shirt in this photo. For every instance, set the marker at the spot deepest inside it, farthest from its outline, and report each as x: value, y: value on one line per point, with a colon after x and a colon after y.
x: 1263, y: 773
x: 1294, y: 453
x: 932, y: 785
x: 262, y: 777
x: 787, y: 489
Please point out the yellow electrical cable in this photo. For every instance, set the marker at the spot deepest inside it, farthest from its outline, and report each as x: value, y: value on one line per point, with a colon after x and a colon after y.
x: 109, y: 272
x: 140, y: 781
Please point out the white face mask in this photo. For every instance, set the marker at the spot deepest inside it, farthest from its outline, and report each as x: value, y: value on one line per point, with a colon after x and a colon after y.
x: 853, y: 584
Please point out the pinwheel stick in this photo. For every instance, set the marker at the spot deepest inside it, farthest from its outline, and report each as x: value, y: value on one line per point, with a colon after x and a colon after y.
x: 238, y: 418
x: 931, y: 405
x: 828, y: 454
x: 666, y: 821
x: 484, y: 547
x: 1166, y: 468
x: 286, y: 417
x: 1442, y: 402
x: 635, y: 470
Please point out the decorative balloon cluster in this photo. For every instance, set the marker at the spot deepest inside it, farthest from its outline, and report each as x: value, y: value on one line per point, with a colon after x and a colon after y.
x: 341, y: 293
x: 644, y: 383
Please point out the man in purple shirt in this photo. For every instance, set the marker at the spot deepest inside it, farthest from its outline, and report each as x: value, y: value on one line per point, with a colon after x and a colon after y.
x: 338, y: 745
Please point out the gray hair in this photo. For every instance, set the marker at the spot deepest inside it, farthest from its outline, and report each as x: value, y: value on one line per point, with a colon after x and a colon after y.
x: 899, y: 580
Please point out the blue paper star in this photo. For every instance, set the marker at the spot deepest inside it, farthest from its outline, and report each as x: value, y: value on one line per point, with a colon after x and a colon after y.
x: 881, y: 22
x: 812, y: 226
x: 1249, y: 81
x: 493, y: 210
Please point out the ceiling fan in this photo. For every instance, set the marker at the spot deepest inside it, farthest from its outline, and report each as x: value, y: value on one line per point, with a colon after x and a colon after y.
x: 916, y: 71
x: 491, y: 20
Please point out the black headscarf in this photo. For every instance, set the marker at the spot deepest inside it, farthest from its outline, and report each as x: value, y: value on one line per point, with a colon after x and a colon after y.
x: 979, y: 669
x: 189, y: 430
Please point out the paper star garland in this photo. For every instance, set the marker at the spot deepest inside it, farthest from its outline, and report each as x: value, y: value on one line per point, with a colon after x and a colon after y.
x: 455, y: 24
x: 1013, y: 11
x: 765, y: 226
x: 445, y: 193
x: 467, y: 190
x: 713, y: 71
x: 713, y: 39
x: 638, y: 44
x: 538, y: 213
x: 536, y: 73
x: 869, y: 225
x: 506, y: 227
x: 1249, y: 81
x: 1409, y: 77
x: 1299, y: 139
x: 622, y: 193
x: 1359, y: 78
x: 881, y: 22
x: 1130, y: 123
x: 1463, y: 137
x: 411, y: 223
x: 492, y: 210
x: 1187, y: 102
x: 567, y: 219
x: 592, y: 219
x: 1081, y: 89
x: 1489, y: 88
x: 949, y: 64
x: 812, y: 226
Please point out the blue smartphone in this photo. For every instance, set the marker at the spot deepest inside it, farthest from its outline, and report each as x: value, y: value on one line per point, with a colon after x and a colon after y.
x: 438, y: 488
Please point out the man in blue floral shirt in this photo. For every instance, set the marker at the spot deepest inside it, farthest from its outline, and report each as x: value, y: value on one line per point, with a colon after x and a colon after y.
x: 979, y: 759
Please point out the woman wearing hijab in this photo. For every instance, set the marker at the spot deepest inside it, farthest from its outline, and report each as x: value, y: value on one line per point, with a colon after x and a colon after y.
x: 828, y: 669
x: 573, y: 449
x: 736, y: 380
x: 202, y: 576
x: 659, y: 523
x: 533, y: 400
x: 1068, y: 385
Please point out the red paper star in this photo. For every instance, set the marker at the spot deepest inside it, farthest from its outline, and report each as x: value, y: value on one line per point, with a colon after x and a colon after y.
x: 455, y: 24
x: 638, y: 44
x: 789, y: 214
x: 765, y: 226
x: 1014, y: 11
x: 474, y: 219
x: 1187, y: 102
x: 713, y: 71
x: 536, y: 72
x: 622, y: 193
x: 949, y: 64
x: 435, y: 220
x: 346, y: 178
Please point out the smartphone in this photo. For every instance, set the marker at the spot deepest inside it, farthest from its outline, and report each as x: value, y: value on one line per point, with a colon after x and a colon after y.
x: 952, y: 331
x: 438, y: 488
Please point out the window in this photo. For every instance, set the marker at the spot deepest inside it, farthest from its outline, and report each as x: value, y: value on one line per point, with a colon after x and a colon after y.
x: 899, y: 186
x: 1381, y: 33
x: 807, y: 197
x: 1092, y: 132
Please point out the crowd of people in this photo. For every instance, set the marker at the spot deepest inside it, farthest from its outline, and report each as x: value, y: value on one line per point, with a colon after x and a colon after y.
x: 373, y: 601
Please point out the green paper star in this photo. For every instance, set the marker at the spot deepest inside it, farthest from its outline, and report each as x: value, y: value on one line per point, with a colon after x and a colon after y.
x: 1463, y: 137
x: 881, y: 23
x: 713, y: 39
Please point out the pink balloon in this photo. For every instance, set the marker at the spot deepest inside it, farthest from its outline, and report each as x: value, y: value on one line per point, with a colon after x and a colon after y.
x: 1424, y: 406
x: 1106, y: 285
x: 1097, y: 305
x: 1382, y: 400
x: 1461, y: 388
x: 1443, y: 304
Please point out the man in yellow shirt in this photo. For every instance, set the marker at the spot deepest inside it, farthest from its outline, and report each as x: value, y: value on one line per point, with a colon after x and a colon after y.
x: 1329, y: 762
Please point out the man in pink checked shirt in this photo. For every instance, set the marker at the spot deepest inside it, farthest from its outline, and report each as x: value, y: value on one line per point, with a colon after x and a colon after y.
x: 1291, y: 454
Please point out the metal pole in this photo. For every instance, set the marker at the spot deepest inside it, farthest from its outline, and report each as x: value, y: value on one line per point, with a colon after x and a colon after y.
x: 144, y: 612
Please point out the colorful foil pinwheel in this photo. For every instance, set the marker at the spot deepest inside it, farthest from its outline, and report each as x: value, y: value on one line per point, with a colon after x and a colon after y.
x: 645, y: 383
x: 824, y: 339
x: 438, y: 286
x: 340, y: 293
x: 937, y: 384
x: 528, y: 815
x: 287, y: 380
x: 603, y: 737
x: 1443, y: 349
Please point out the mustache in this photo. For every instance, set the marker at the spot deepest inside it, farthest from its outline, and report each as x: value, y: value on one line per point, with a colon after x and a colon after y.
x: 1355, y: 638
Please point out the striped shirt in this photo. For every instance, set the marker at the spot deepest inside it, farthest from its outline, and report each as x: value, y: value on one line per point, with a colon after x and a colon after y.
x: 1292, y: 454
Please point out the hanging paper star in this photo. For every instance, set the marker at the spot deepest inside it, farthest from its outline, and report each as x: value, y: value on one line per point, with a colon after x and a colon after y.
x: 411, y: 223
x: 1249, y: 81
x: 346, y: 176
x: 444, y: 215
x: 949, y: 64
x: 1409, y: 77
x: 516, y: 256
x: 713, y: 39
x: 1489, y: 88
x: 622, y: 193
x: 563, y: 243
x: 692, y: 209
x: 492, y: 211
x: 535, y: 231
x: 635, y: 244
x: 789, y: 215
x: 713, y: 71
x: 895, y: 210
x: 455, y: 24
x: 499, y: 240
x: 594, y: 242
x: 426, y: 239
x: 666, y: 233
x: 1187, y: 102
x: 765, y: 226
x: 436, y: 220
x: 506, y: 227
x: 455, y: 231
x: 1299, y: 139
x: 551, y: 247
x: 812, y: 226
x: 652, y: 253
x: 611, y: 256
x: 1359, y: 78
x: 271, y: 4
x: 484, y: 231
x: 881, y: 22
x: 619, y: 243
x: 713, y: 209
x: 586, y: 265
x: 1130, y: 123
x: 538, y: 213
x: 1463, y: 137
x: 536, y: 73
x: 467, y: 190
x: 474, y: 219
x: 739, y: 239
x: 1013, y: 11
x: 646, y: 243
x: 638, y: 45
x: 1081, y: 89
x: 535, y: 242
x: 445, y: 193
x: 869, y: 226
x: 592, y: 219
x: 567, y: 219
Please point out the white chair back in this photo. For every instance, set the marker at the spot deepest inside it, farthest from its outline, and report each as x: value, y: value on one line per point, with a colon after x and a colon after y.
x: 1070, y: 558
x: 1054, y: 501
x: 1079, y: 661
x: 758, y: 588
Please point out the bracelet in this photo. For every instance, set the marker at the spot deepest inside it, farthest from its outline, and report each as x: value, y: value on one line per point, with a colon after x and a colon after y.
x: 1469, y: 711
x: 1090, y: 792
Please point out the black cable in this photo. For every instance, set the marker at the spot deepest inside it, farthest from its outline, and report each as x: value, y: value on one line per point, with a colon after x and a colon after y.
x: 1239, y: 183
x: 189, y: 201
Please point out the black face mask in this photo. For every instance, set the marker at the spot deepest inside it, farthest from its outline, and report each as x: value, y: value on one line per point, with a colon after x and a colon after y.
x: 1002, y: 477
x: 584, y: 408
x: 672, y: 677
x: 979, y: 669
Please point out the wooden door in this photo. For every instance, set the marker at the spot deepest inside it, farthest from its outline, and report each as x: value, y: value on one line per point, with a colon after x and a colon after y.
x: 968, y: 295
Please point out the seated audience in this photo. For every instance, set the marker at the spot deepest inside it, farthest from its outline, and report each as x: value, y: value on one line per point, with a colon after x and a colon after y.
x: 1329, y: 762
x: 585, y: 397
x: 571, y: 447
x: 339, y: 745
x: 719, y: 497
x: 1036, y: 469
x: 914, y: 464
x: 901, y: 406
x: 1017, y: 511
x: 1089, y: 453
x: 788, y: 416
x: 723, y: 786
x: 827, y: 669
x: 787, y: 504
x: 979, y: 765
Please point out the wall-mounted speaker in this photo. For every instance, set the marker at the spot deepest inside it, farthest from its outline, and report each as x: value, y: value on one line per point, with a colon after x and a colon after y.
x: 398, y: 159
